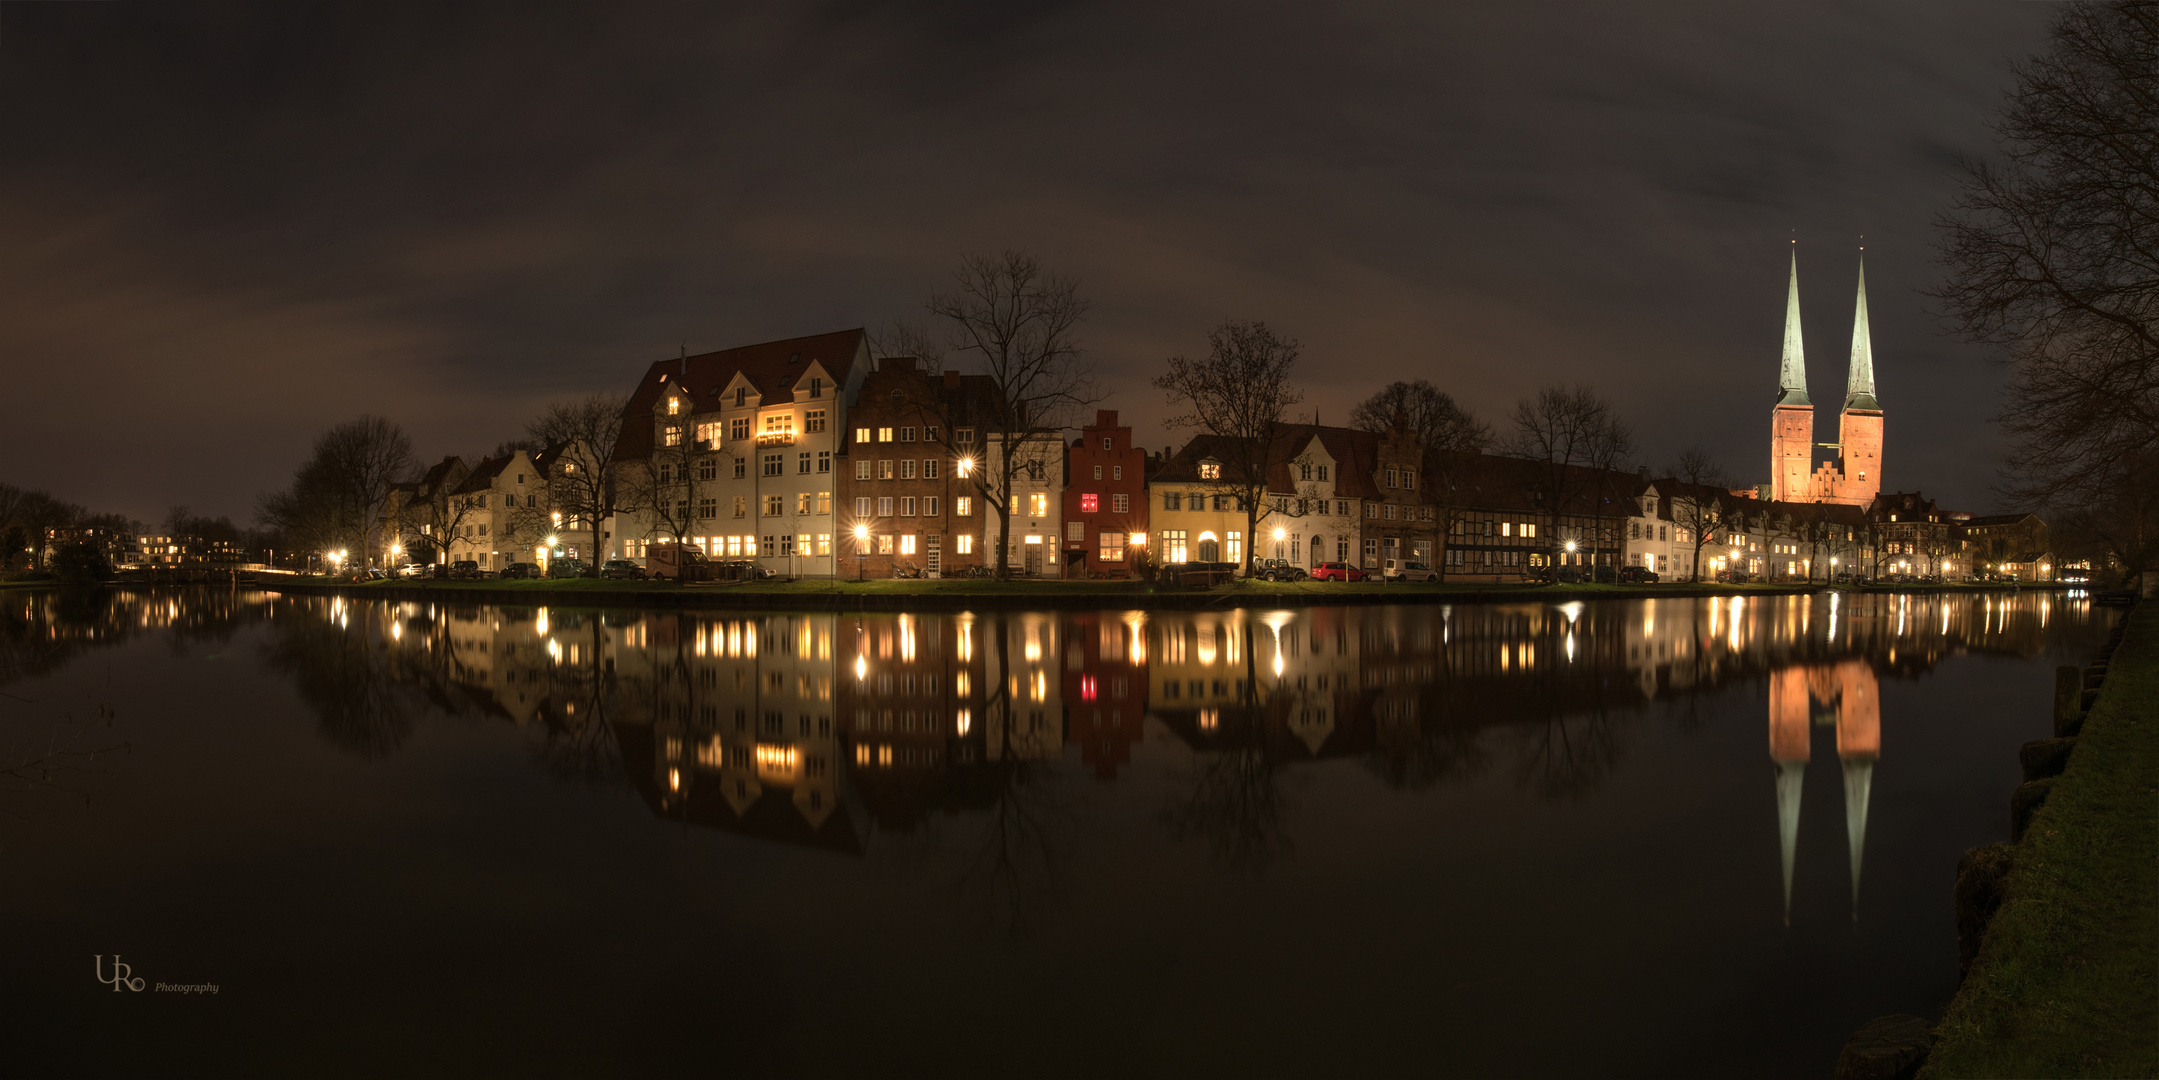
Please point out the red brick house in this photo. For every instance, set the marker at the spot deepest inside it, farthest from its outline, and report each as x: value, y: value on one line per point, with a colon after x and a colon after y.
x: 1105, y: 501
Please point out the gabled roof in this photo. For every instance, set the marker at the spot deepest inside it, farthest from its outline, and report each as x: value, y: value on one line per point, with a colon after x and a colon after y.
x: 482, y: 477
x: 770, y: 368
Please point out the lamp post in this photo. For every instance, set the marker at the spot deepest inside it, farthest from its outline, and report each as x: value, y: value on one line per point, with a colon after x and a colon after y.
x: 862, y: 551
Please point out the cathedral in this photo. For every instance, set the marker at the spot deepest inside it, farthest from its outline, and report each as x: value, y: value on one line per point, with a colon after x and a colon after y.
x: 1853, y: 475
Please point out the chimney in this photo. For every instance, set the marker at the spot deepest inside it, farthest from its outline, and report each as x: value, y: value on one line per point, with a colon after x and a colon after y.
x: 952, y: 379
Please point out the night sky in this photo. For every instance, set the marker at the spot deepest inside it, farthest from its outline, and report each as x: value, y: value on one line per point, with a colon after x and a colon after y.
x: 224, y: 228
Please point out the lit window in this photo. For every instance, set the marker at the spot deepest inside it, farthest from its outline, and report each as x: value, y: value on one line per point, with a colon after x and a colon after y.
x: 1090, y: 503
x: 862, y: 434
x: 1038, y: 505
x: 1210, y: 470
x: 884, y: 434
x: 966, y: 544
x: 963, y: 506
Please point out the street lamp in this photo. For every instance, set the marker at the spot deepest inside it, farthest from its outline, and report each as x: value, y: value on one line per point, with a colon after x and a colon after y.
x: 862, y: 547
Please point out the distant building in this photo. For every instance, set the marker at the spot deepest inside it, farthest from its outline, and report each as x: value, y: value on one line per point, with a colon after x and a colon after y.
x: 2015, y: 545
x: 1912, y: 536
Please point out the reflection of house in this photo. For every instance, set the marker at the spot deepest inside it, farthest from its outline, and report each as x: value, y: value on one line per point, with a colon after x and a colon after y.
x: 1105, y: 687
x: 909, y: 698
x: 1025, y: 716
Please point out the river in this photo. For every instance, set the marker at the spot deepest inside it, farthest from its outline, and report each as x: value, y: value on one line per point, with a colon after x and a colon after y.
x: 1629, y: 838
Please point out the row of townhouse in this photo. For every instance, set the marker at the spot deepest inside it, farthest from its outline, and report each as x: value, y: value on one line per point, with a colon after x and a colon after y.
x: 813, y: 459
x: 510, y: 508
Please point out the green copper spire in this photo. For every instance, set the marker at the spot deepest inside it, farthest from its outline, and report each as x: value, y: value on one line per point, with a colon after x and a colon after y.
x: 1792, y: 377
x: 1859, y: 386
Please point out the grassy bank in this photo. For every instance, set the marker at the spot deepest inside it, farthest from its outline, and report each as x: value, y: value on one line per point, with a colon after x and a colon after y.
x: 2067, y: 980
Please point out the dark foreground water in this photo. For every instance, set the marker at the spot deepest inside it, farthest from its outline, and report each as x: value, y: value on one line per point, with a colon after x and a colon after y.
x: 1646, y: 838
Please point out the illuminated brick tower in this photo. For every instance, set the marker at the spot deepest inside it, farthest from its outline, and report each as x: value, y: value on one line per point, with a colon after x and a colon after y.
x: 1859, y: 434
x: 1855, y: 477
x: 1791, y: 425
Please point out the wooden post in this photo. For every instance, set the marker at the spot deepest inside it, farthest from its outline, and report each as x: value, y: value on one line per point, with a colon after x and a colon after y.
x: 2068, y: 699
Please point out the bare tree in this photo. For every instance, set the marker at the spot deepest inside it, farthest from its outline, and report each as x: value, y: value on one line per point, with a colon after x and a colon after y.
x: 1562, y: 429
x: 582, y: 480
x: 1611, y: 447
x: 1020, y: 324
x: 2054, y: 253
x: 341, y: 494
x: 1702, y: 503
x: 1453, y: 442
x: 1239, y: 393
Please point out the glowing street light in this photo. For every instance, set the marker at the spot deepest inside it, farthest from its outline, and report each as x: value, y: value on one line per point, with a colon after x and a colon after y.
x: 862, y: 547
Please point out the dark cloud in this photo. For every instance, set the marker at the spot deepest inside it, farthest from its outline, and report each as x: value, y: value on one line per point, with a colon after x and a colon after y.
x: 223, y: 228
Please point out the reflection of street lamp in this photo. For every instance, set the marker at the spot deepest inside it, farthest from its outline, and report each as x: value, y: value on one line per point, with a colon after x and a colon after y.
x: 862, y: 548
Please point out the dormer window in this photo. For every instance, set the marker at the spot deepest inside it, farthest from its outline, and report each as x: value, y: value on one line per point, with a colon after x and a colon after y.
x: 817, y: 386
x: 742, y: 396
x: 674, y: 405
x: 1210, y: 469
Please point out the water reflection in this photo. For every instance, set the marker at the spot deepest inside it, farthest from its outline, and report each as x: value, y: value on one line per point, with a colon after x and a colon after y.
x: 825, y: 730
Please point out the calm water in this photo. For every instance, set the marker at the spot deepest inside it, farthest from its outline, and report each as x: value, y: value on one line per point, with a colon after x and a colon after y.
x: 1675, y: 837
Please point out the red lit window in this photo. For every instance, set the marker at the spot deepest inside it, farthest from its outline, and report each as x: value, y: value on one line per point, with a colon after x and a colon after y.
x: 1087, y: 682
x: 1090, y: 503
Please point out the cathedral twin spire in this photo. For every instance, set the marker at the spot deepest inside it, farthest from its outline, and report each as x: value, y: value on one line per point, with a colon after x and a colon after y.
x: 1792, y: 373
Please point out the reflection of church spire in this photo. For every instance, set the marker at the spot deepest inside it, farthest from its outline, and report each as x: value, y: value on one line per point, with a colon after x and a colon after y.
x: 1789, y: 775
x: 1859, y: 745
x: 1788, y: 701
x: 1858, y: 782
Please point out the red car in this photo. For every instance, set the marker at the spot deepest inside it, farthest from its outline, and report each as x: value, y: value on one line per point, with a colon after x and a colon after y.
x: 1338, y: 571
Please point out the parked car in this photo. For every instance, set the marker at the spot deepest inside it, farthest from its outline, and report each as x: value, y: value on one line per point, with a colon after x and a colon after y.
x: 521, y: 570
x: 1410, y: 571
x: 1338, y: 571
x: 567, y: 568
x: 622, y: 570
x: 465, y: 568
x: 413, y: 570
x: 1637, y: 575
x: 1277, y: 570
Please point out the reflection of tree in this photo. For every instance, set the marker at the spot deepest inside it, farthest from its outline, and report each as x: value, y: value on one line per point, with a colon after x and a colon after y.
x: 1016, y: 870
x: 1567, y: 757
x: 578, y: 743
x: 1236, y: 802
x: 1236, y: 805
x: 1428, y: 753
x: 345, y: 679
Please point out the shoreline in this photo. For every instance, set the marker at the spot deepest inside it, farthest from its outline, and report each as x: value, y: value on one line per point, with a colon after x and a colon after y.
x: 2066, y: 978
x: 968, y: 594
